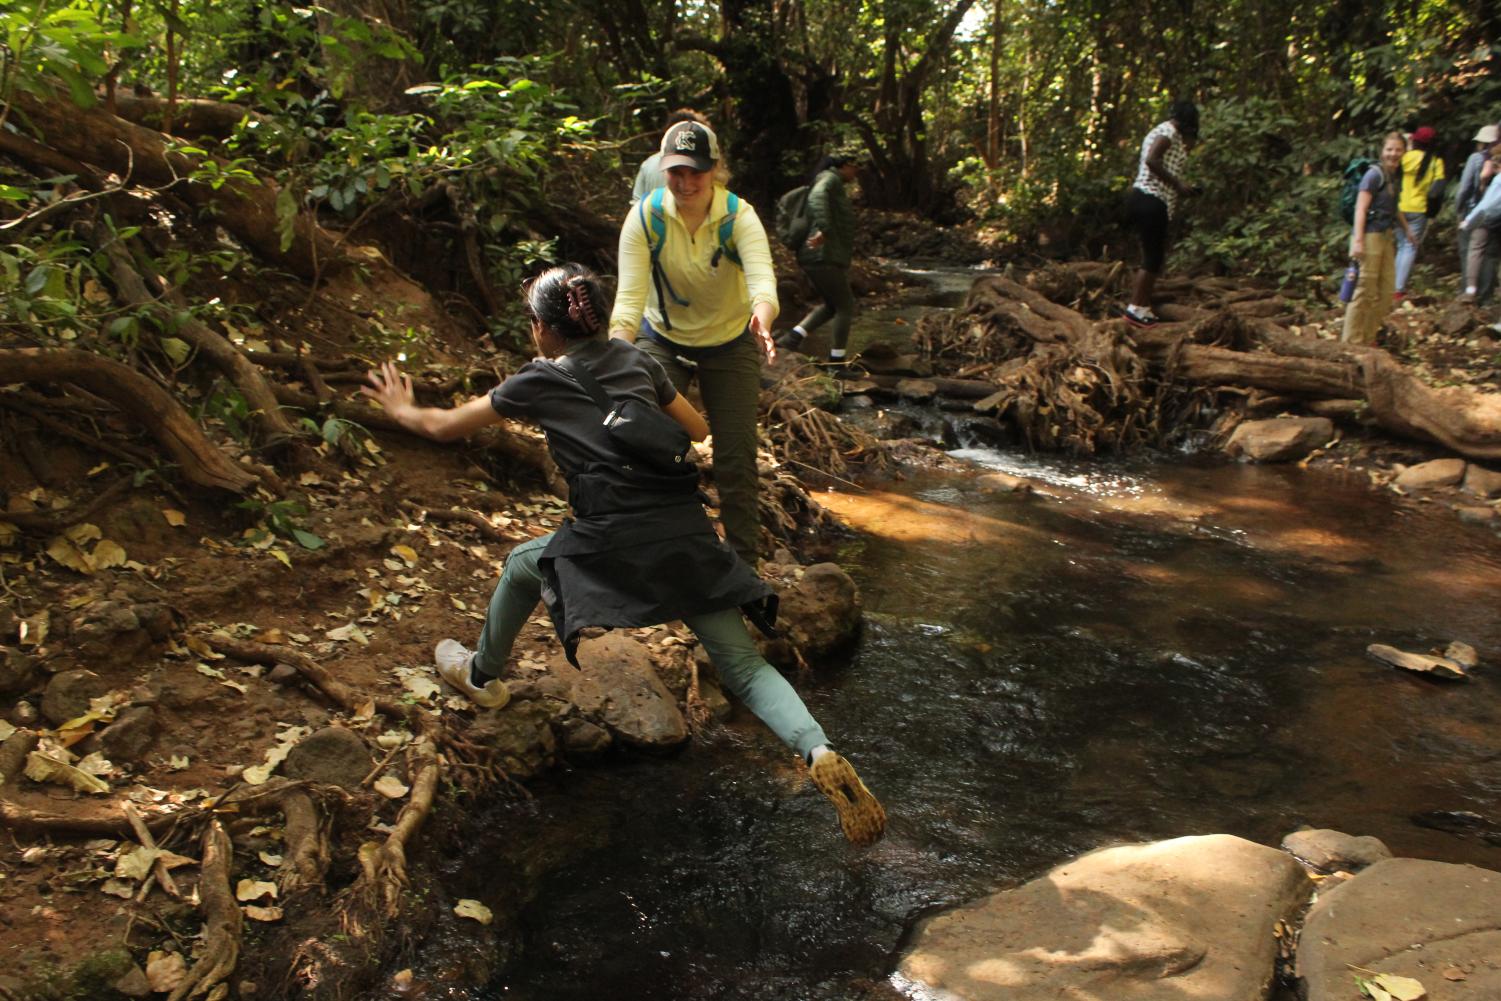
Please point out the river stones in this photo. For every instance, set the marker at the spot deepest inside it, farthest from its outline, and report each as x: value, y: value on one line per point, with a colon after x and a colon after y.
x: 1188, y: 918
x: 1329, y: 851
x: 1280, y: 439
x: 1422, y: 663
x: 1427, y: 475
x: 1482, y: 482
x: 1436, y: 922
x: 619, y: 688
x: 819, y: 615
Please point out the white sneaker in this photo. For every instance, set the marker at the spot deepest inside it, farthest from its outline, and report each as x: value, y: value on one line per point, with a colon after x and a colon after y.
x: 453, y: 660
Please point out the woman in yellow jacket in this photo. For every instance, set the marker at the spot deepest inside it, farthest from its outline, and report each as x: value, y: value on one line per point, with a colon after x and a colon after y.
x: 697, y: 293
x: 1422, y: 171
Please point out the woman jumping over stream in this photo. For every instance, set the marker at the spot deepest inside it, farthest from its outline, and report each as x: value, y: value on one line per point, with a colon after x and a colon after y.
x: 639, y: 549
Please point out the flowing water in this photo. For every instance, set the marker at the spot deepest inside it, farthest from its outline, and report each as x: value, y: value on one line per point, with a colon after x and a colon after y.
x: 1139, y: 650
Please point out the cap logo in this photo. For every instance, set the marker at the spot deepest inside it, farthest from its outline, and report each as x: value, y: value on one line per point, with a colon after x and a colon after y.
x: 687, y: 140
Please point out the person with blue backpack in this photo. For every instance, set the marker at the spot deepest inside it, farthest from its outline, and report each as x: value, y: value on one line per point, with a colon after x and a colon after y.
x: 697, y: 293
x: 1372, y: 249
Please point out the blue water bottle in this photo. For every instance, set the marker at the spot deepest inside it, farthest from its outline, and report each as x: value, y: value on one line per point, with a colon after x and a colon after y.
x: 1352, y: 275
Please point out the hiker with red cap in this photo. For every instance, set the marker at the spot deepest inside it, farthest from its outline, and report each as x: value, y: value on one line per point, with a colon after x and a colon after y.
x: 1420, y: 195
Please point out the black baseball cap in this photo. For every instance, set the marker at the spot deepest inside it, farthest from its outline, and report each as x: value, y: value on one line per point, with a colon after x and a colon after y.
x: 689, y: 144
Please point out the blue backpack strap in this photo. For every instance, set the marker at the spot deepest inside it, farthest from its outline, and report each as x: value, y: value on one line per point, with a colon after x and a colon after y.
x: 654, y: 223
x: 727, y: 228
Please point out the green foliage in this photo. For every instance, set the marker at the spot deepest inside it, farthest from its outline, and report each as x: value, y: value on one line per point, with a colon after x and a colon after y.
x: 69, y: 42
x: 1270, y: 198
x: 280, y: 517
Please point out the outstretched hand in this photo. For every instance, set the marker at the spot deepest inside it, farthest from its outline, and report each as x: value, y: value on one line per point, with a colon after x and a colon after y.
x: 763, y: 331
x: 390, y: 388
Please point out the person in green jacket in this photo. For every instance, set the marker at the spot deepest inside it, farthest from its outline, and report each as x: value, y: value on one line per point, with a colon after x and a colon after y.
x: 825, y: 255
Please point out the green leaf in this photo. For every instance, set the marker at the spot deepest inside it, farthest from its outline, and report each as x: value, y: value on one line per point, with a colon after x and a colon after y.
x: 177, y: 350
x: 12, y: 194
x: 307, y: 540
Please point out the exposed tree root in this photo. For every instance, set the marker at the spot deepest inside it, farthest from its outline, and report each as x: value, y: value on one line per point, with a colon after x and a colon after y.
x: 383, y: 864
x: 1070, y: 383
x: 221, y: 930
x: 247, y: 378
x: 460, y: 516
x: 141, y: 399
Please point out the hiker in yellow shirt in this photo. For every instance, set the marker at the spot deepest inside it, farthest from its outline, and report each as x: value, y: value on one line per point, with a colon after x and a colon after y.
x: 697, y: 293
x: 1422, y: 171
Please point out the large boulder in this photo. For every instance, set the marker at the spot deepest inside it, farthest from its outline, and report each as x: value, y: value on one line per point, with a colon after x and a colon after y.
x: 1189, y: 918
x: 1436, y: 922
x: 619, y: 689
x: 1280, y: 439
x: 1427, y: 475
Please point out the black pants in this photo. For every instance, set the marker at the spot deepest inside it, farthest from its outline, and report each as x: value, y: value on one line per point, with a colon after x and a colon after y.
x: 1148, y: 216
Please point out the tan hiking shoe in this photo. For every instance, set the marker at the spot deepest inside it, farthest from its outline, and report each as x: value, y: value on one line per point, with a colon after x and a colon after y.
x: 861, y: 815
x: 453, y: 658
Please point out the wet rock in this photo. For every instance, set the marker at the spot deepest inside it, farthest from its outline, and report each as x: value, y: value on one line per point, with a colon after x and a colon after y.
x: 1280, y: 439
x: 619, y: 688
x: 1482, y: 482
x: 1423, y: 663
x: 916, y: 390
x: 18, y: 671
x: 1003, y: 483
x: 128, y: 738
x: 1428, y: 475
x: 820, y: 615
x: 107, y: 632
x: 333, y: 755
x: 68, y: 694
x: 1187, y: 918
x: 521, y: 736
x: 1328, y: 851
x: 582, y: 739
x: 1409, y: 917
x: 1471, y: 515
x: 1462, y: 654
x: 24, y: 714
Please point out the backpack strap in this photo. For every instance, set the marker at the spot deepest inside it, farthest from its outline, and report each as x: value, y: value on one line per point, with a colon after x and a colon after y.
x: 727, y: 229
x: 580, y: 374
x: 653, y: 215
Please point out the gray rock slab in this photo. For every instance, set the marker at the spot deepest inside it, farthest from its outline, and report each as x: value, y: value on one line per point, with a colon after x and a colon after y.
x: 129, y: 737
x: 619, y: 689
x: 333, y: 755
x: 1328, y: 851
x: 1427, y: 475
x: 1432, y: 921
x: 1181, y: 920
x: 1280, y: 439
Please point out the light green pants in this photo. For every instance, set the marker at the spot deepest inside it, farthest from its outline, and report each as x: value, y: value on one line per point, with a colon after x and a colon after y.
x: 745, y: 673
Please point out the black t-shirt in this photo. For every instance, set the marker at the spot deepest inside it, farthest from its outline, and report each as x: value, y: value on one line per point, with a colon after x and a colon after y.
x: 544, y: 394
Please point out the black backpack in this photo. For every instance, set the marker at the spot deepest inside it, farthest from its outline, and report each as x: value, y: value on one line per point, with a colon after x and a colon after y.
x: 793, y: 222
x: 645, y: 434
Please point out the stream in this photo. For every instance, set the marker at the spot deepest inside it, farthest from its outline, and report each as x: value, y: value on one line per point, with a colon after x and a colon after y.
x: 1141, y: 649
